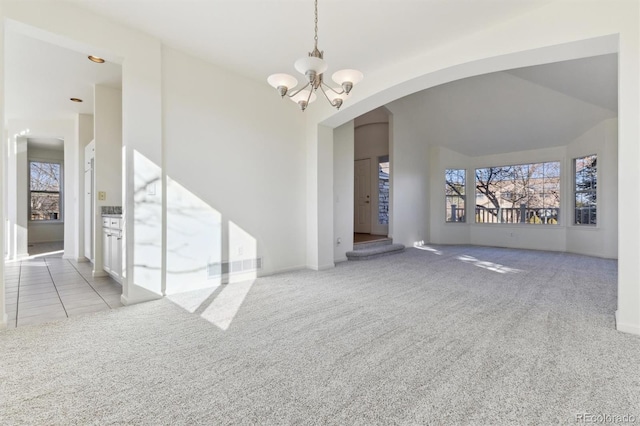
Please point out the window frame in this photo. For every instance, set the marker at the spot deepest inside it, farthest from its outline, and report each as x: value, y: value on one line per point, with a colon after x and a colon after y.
x: 447, y: 212
x: 548, y: 219
x: 576, y: 191
x: 60, y: 192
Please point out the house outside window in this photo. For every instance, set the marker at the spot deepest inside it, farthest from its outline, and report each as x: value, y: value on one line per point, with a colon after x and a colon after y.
x: 454, y: 190
x: 523, y: 193
x: 585, y: 189
x: 45, y: 190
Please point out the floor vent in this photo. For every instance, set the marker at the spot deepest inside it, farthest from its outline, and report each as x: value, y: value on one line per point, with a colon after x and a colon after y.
x: 219, y: 269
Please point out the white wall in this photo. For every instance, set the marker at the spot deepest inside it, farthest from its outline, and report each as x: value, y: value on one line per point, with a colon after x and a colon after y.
x: 43, y: 232
x: 228, y: 169
x: 343, y: 187
x: 409, y: 177
x: 107, y: 162
x: 601, y: 240
x: 3, y: 188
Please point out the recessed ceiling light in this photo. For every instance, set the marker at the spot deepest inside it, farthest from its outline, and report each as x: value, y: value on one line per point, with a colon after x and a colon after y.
x: 96, y: 59
x: 75, y: 99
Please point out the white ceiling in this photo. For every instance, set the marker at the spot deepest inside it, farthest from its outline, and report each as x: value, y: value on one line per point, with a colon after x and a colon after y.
x: 257, y: 38
x: 520, y: 109
x: 41, y: 77
x: 54, y: 144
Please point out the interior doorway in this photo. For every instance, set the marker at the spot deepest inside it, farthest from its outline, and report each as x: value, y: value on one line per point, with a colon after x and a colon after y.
x: 362, y: 186
x: 371, y: 177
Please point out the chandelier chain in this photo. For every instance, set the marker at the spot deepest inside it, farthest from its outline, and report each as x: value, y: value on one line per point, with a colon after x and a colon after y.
x: 316, y: 25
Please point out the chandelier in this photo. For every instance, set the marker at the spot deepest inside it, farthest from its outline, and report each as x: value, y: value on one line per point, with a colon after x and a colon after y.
x: 313, y: 68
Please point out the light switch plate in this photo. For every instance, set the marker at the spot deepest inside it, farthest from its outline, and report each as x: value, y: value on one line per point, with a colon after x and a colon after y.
x: 102, y: 195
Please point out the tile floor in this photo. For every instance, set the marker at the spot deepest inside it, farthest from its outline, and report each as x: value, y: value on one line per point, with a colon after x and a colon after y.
x: 47, y: 287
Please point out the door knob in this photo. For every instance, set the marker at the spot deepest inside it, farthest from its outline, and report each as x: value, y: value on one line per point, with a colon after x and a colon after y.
x: 367, y: 201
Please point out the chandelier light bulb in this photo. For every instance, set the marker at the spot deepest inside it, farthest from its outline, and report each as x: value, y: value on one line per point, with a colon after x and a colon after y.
x: 347, y: 78
x: 310, y: 63
x: 282, y: 82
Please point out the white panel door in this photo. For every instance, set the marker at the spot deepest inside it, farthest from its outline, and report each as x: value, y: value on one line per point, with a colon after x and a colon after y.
x: 362, y: 197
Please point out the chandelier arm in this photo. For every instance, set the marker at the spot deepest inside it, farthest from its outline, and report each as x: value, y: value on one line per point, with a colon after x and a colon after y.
x: 325, y: 93
x: 298, y: 91
x: 332, y: 89
x: 309, y: 97
x: 337, y: 102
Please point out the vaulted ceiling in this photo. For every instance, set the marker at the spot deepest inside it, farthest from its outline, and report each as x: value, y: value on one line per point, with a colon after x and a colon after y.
x: 546, y: 105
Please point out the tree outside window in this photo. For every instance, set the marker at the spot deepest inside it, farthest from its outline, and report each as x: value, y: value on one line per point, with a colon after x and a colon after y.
x: 454, y: 190
x: 523, y: 193
x: 44, y: 186
x: 586, y: 185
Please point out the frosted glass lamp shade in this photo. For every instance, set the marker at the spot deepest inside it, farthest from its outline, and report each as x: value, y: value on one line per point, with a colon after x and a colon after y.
x: 303, y: 96
x: 310, y: 63
x: 347, y: 76
x: 282, y: 80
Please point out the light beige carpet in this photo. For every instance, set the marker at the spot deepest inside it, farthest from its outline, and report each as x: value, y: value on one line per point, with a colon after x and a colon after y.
x: 444, y: 335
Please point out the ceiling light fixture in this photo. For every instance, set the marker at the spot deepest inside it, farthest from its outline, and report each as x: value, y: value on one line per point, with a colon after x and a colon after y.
x: 313, y: 67
x: 96, y: 59
x: 75, y: 100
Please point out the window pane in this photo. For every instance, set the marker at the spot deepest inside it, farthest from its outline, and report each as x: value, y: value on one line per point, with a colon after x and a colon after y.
x: 383, y: 190
x: 45, y: 206
x: 45, y: 176
x: 586, y: 185
x: 523, y: 193
x: 44, y: 185
x: 454, y: 190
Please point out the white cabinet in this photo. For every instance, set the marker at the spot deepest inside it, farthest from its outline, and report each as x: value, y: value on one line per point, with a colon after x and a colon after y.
x: 106, y: 249
x: 112, y: 247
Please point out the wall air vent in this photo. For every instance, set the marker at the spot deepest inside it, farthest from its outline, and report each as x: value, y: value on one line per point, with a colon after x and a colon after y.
x: 227, y: 268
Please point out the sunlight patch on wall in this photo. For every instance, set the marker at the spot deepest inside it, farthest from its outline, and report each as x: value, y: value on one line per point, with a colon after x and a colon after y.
x: 147, y: 249
x: 495, y: 267
x: 194, y: 240
x: 205, y: 276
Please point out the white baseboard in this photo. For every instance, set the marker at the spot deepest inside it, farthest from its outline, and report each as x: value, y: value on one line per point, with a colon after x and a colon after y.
x: 5, y: 321
x: 323, y: 267
x: 281, y: 271
x: 340, y: 260
x: 137, y: 294
x: 96, y: 274
x: 627, y: 328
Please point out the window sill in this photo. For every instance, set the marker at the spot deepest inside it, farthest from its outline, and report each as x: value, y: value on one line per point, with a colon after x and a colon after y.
x: 45, y: 222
